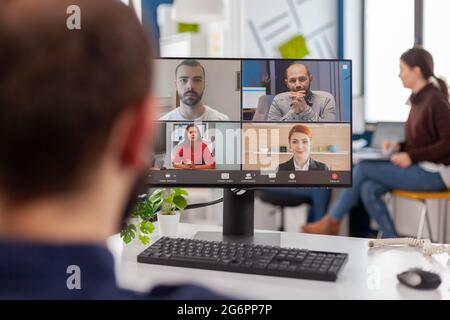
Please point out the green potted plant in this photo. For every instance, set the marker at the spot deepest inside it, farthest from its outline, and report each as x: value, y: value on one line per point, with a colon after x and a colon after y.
x: 166, y: 204
x: 173, y: 202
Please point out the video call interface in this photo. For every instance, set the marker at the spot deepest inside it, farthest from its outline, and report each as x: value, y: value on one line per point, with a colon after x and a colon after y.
x: 252, y: 122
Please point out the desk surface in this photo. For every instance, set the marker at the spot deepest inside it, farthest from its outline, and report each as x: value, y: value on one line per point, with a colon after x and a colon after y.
x: 369, y: 274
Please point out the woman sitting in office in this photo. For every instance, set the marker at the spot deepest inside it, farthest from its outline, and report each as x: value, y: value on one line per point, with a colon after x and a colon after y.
x: 420, y: 163
x: 300, y: 139
x: 193, y: 153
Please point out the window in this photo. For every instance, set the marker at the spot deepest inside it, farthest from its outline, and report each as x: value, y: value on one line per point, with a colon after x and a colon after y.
x: 389, y: 31
x: 435, y: 41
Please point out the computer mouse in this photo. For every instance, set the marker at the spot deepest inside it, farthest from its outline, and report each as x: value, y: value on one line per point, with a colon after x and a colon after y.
x: 419, y: 279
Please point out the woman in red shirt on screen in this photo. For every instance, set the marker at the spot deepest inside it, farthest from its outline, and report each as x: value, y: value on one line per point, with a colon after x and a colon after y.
x: 193, y: 153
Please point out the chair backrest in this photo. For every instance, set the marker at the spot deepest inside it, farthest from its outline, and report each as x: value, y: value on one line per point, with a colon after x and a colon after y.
x: 262, y: 109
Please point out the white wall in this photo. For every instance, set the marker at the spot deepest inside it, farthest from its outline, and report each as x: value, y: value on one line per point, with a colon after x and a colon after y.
x: 268, y: 24
x: 221, y: 91
x: 389, y: 32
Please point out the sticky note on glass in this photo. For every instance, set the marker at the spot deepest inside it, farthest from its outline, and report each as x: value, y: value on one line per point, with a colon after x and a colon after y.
x: 187, y: 27
x: 294, y: 48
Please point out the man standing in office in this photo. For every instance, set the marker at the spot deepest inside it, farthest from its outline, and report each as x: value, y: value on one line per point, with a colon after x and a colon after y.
x: 190, y: 82
x: 76, y: 126
x: 300, y: 103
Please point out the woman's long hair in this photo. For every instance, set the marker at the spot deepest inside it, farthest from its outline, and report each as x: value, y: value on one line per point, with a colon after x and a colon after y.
x: 419, y: 57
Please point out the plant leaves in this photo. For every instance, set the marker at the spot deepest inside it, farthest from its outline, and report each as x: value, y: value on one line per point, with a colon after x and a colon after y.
x: 144, y: 239
x: 179, y: 192
x: 128, y: 233
x: 156, y: 195
x: 156, y: 204
x: 146, y: 210
x: 147, y: 227
x: 127, y: 239
x: 180, y: 202
x: 164, y: 200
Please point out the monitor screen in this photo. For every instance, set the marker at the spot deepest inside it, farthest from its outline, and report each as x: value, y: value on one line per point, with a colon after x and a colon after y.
x: 242, y: 123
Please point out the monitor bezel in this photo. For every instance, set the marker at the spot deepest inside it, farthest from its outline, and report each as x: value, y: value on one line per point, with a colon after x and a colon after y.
x: 262, y: 186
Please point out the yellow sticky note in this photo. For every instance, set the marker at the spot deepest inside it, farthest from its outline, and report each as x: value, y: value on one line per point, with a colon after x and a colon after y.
x: 294, y: 48
x: 187, y: 27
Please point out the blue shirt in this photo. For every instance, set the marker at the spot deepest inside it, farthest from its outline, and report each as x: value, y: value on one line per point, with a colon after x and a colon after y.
x: 30, y: 271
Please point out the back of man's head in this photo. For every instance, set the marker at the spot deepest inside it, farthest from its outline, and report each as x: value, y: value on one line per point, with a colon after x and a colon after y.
x: 61, y: 90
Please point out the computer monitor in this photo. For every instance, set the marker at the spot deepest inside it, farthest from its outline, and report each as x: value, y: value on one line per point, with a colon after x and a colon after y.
x: 244, y: 124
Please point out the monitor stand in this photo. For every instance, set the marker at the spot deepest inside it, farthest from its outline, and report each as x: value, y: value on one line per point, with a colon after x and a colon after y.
x: 238, y: 221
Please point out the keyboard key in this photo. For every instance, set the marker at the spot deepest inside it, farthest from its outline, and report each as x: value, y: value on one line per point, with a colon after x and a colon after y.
x: 194, y: 259
x: 292, y: 267
x: 259, y: 265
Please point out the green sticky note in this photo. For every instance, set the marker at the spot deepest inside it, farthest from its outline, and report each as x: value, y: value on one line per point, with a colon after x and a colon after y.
x: 294, y: 48
x: 187, y: 27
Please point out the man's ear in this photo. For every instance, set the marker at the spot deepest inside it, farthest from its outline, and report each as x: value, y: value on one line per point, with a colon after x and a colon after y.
x: 136, y: 150
x: 311, y: 78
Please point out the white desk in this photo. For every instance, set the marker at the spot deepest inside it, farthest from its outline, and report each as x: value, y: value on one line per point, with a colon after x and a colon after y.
x: 369, y: 274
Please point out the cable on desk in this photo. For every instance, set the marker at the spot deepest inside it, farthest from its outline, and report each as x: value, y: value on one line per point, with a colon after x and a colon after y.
x: 203, y: 204
x: 236, y: 191
x: 425, y: 244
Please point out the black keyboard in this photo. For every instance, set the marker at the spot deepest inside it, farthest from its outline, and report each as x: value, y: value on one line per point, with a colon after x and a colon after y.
x: 245, y: 258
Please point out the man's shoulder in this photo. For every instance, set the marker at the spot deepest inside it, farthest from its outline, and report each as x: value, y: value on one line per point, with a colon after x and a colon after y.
x: 282, y: 95
x: 109, y: 291
x: 97, y: 275
x: 322, y: 95
x: 213, y: 114
x: 172, y: 115
x: 182, y: 291
x: 185, y: 291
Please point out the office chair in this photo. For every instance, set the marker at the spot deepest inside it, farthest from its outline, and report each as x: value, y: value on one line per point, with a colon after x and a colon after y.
x: 262, y: 109
x: 282, y: 201
x: 318, y: 199
x: 422, y: 198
